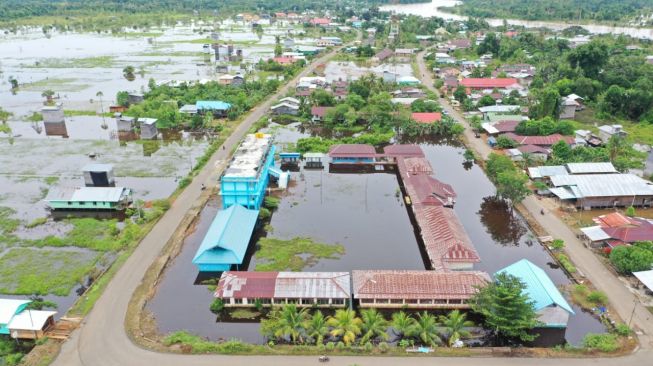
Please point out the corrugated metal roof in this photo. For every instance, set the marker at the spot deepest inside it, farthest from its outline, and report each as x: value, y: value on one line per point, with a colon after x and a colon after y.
x: 539, y: 140
x: 320, y: 285
x: 98, y: 168
x: 595, y: 233
x: 9, y: 308
x: 352, y: 150
x: 539, y: 286
x: 426, y: 190
x: 249, y: 156
x: 228, y: 236
x: 417, y: 284
x: 404, y: 150
x: 604, y: 185
x: 414, y: 166
x: 563, y: 193
x: 488, y: 83
x: 499, y: 108
x: 87, y: 194
x: 546, y: 171
x: 212, y: 105
x: 590, y: 168
x: 646, y: 277
x: 30, y: 320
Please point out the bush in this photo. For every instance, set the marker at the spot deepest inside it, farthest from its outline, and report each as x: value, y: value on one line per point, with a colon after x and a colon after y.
x: 162, y: 204
x: 184, y: 182
x: 566, y: 263
x: 630, y: 211
x: 13, y: 359
x: 264, y: 213
x: 506, y: 142
x: 622, y: 330
x: 217, y: 306
x: 368, y: 347
x: 601, y: 342
x: 330, y: 346
x: 271, y: 203
x: 340, y: 346
x: 632, y: 258
x: 558, y: 244
x: 597, y: 297
x: 384, y: 347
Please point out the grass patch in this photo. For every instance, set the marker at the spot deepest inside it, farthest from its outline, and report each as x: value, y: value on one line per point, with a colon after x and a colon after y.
x: 586, y: 298
x: 601, y: 342
x: 35, y: 117
x: 37, y: 222
x: 74, y: 63
x: 565, y: 262
x: 51, y: 180
x: 56, y: 84
x: 294, y: 254
x: 25, y: 271
x: 195, y: 344
x: 244, y: 314
x: 73, y: 113
x: 100, y: 235
x: 7, y: 224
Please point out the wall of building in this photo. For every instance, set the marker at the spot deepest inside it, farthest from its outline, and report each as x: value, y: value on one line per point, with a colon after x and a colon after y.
x: 300, y: 302
x: 250, y: 191
x: 414, y: 303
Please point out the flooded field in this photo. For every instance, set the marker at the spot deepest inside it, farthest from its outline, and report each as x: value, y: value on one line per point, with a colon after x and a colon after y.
x: 362, y: 213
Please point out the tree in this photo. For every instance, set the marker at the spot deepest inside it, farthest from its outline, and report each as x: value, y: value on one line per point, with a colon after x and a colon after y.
x: 291, y: 322
x: 460, y: 94
x: 373, y: 325
x: 345, y: 325
x: 558, y: 244
x: 506, y: 142
x: 426, y: 329
x: 589, y: 57
x: 547, y: 103
x: 475, y: 123
x: 323, y: 98
x: 469, y: 155
x: 4, y: 115
x: 632, y: 258
x: 278, y: 49
x: 317, y: 328
x: 14, y: 82
x: 485, y: 101
x: 48, y: 94
x: 122, y: 98
x: 490, y: 44
x: 128, y: 72
x: 497, y: 163
x: 355, y: 101
x: 454, y: 323
x: 511, y: 185
x: 506, y: 307
x: 401, y: 324
x: 613, y: 100
x: 421, y: 105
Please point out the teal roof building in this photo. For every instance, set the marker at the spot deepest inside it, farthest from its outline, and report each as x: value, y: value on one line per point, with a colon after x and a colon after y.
x: 552, y: 308
x: 226, y: 242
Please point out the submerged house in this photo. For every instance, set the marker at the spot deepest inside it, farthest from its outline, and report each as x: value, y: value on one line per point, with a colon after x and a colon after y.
x: 89, y: 198
x: 19, y: 322
x: 416, y: 289
x: 352, y: 154
x: 226, y: 242
x: 148, y: 128
x: 304, y: 289
x: 551, y: 307
x: 124, y: 123
x: 99, y: 175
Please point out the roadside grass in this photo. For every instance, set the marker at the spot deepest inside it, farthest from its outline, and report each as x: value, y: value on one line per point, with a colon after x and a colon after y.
x: 293, y: 255
x: 586, y: 298
x: 100, y: 235
x: 74, y: 63
x: 25, y: 271
x: 7, y: 224
x: 73, y: 113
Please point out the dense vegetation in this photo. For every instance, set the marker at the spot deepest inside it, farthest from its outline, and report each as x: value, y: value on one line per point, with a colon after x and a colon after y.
x: 597, y: 10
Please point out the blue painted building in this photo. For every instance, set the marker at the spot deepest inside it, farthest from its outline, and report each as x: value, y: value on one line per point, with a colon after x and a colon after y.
x: 247, y: 176
x: 551, y: 307
x: 352, y: 154
x: 216, y: 107
x: 226, y: 242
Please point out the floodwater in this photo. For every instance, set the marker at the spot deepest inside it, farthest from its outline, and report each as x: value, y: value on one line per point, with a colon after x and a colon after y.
x: 431, y: 10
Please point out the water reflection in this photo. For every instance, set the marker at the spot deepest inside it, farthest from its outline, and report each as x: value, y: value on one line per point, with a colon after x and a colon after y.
x: 501, y: 223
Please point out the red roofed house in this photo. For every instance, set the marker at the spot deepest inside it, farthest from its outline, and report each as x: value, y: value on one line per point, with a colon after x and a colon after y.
x: 616, y: 229
x: 488, y: 83
x: 320, y: 21
x: 416, y: 289
x: 426, y: 118
x: 284, y: 60
x: 403, y: 150
x: 247, y: 289
x: 318, y: 113
x: 352, y: 153
x: 546, y: 141
x: 428, y: 191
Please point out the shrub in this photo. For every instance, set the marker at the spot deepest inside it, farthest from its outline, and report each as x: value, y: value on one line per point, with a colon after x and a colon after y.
x: 368, y: 347
x: 622, y: 330
x: 271, y: 203
x: 384, y: 347
x: 558, y: 244
x: 340, y: 346
x: 184, y: 182
x: 13, y: 359
x: 601, y: 342
x: 258, y: 304
x: 330, y: 346
x: 162, y: 204
x: 632, y: 258
x: 404, y: 343
x: 597, y: 297
x: 264, y: 213
x: 217, y: 306
x: 233, y: 346
x: 566, y: 263
x: 630, y: 211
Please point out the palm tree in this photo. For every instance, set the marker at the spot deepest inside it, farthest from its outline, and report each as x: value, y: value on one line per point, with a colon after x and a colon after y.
x: 48, y: 94
x: 455, y: 322
x: 373, y: 325
x: 316, y: 327
x: 100, y: 95
x: 345, y: 324
x: 291, y: 323
x: 426, y: 329
x: 401, y: 324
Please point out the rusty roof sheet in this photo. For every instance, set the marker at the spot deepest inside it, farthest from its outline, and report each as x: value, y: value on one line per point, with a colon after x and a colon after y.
x: 246, y: 285
x: 403, y: 150
x: 415, y: 166
x: 426, y: 190
x: 417, y: 284
x: 253, y: 285
x: 352, y: 150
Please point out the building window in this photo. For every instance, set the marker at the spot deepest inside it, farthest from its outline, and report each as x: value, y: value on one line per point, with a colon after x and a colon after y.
x: 426, y: 301
x: 279, y: 301
x: 337, y: 301
x: 396, y: 301
x: 411, y: 301
x: 367, y: 301
x: 307, y: 301
x: 69, y: 203
x: 238, y: 301
x: 439, y: 301
x: 456, y: 301
x: 381, y: 301
x: 82, y: 203
x: 292, y: 301
x: 323, y: 301
x: 94, y: 203
x: 265, y: 301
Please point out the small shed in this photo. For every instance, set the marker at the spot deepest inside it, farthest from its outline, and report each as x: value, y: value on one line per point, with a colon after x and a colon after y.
x: 314, y: 160
x: 646, y: 278
x: 135, y: 98
x: 53, y: 114
x: 99, y: 175
x: 352, y: 153
x: 124, y: 123
x: 88, y: 198
x: 19, y: 322
x: 190, y: 109
x: 148, y: 128
x: 285, y: 108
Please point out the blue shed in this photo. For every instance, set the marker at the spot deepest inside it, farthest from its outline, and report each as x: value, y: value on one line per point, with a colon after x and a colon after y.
x: 217, y: 107
x: 226, y: 242
x: 552, y: 308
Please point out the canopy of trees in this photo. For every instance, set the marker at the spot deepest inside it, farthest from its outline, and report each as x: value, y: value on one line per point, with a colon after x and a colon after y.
x: 632, y: 258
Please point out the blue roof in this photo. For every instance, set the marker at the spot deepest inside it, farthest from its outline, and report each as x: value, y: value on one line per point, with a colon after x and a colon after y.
x: 228, y: 237
x: 212, y: 105
x: 539, y: 286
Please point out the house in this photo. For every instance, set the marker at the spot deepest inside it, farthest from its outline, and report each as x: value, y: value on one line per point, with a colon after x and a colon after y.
x: 389, y: 77
x: 352, y: 154
x: 313, y: 160
x: 545, y: 141
x: 53, y: 113
x: 303, y: 289
x: 19, y: 322
x: 238, y: 80
x: 649, y: 59
x: 99, y: 175
x: 336, y: 41
x: 190, y: 109
x: 285, y: 108
x: 216, y: 107
x: 408, y: 81
x: 383, y: 55
x: 135, y: 98
x: 589, y: 191
x: 308, y: 50
x: 568, y: 108
x: 426, y: 118
x: 225, y: 79
x: 408, y: 92
x: 444, y: 58
x: 227, y: 239
x: 284, y: 60
x: 488, y: 83
x: 416, y: 289
x: 552, y: 309
x: 545, y: 172
x: 403, y: 101
x: 318, y: 113
x: 124, y: 123
x: 501, y: 127
x: 459, y: 44
x: 405, y: 151
x: 404, y: 52
x: 423, y: 189
x: 607, y: 131
x: 288, y: 43
x: 538, y: 153
x: 290, y: 100
x: 615, y: 229
x: 88, y: 199
x: 246, y: 178
x: 321, y: 22
x: 148, y: 128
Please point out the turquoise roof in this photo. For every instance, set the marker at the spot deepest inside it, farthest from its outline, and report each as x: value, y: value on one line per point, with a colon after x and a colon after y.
x: 228, y: 237
x: 212, y: 105
x: 539, y: 286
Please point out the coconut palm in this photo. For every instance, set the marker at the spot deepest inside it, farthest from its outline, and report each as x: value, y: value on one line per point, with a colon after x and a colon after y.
x: 316, y: 327
x: 291, y: 323
x: 345, y: 324
x: 454, y: 323
x: 401, y: 324
x: 373, y: 325
x: 426, y: 329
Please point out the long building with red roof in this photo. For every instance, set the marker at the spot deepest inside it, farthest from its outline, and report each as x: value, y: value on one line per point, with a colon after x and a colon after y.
x: 488, y: 83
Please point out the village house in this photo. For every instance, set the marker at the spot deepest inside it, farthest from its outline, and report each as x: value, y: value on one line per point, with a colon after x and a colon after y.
x: 589, y: 191
x: 288, y: 43
x: 318, y: 113
x: 383, y: 55
x: 404, y: 52
x: 459, y: 44
x: 416, y: 289
x: 340, y: 89
x: 285, y: 108
x: 542, y: 141
x: 616, y: 229
x: 501, y: 127
x: 320, y: 22
x: 607, y: 131
x: 568, y: 108
x: 426, y: 117
x: 284, y: 60
x: 88, y: 198
x: 535, y: 152
x: 99, y: 175
x: 408, y: 81
x: 303, y: 289
x: 352, y: 154
x: 549, y: 304
x: 408, y: 92
x: 215, y: 107
x: 19, y: 322
x: 148, y: 128
x: 444, y: 58
x: 488, y: 83
x: 124, y: 123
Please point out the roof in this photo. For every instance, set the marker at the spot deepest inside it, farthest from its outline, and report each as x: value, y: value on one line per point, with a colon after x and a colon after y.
x: 9, y: 308
x: 322, y: 285
x: 589, y: 168
x: 615, y: 219
x: 498, y: 108
x: 87, y: 194
x: 487, y: 82
x: 352, y: 150
x: 30, y: 320
x: 188, y: 108
x: 539, y: 287
x: 249, y: 156
x: 228, y: 237
x: 383, y: 54
x: 404, y: 150
x: 313, y: 155
x: 532, y: 149
x: 604, y: 185
x: 424, y: 117
x: 460, y: 43
x: 290, y: 100
x: 98, y: 168
x: 506, y: 126
x: 426, y: 190
x: 595, y: 233
x: 404, y: 101
x: 147, y: 121
x: 320, y: 111
x: 539, y: 140
x: 408, y: 79
x: 646, y: 277
x: 546, y: 171
x: 285, y: 104
x: 417, y: 284
x: 212, y: 105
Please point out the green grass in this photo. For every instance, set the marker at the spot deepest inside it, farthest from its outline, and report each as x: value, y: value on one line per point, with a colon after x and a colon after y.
x: 25, y: 271
x: 74, y: 63
x: 36, y: 222
x: 51, y: 180
x: 56, y: 84
x: 294, y: 254
x: 7, y: 224
x: 72, y: 113
x: 101, y: 235
x: 244, y: 314
x: 638, y: 132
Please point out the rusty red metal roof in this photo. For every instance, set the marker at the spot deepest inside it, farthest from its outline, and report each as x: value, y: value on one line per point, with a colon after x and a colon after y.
x: 352, y: 150
x: 256, y: 285
x: 424, y: 117
x: 506, y: 126
x: 426, y: 190
x: 417, y: 284
x: 403, y: 150
x: 320, y: 111
x: 614, y: 219
x: 415, y: 166
x: 246, y: 285
x: 487, y: 83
